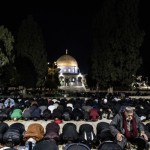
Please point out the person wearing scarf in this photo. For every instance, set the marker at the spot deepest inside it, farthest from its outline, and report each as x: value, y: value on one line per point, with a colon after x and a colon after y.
x: 126, y: 127
x: 129, y: 127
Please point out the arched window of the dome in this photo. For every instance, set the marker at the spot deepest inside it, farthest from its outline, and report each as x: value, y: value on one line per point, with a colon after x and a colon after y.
x: 69, y: 70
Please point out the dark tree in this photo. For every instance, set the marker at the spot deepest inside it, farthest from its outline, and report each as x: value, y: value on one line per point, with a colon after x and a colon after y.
x: 116, y: 43
x: 30, y: 46
x: 7, y: 69
x: 27, y: 72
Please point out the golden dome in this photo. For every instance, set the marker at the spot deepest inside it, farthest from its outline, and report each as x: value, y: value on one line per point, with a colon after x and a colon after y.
x: 67, y: 60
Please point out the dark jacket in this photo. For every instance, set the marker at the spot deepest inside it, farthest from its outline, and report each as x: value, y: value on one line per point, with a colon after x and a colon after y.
x: 35, y: 112
x: 116, y: 125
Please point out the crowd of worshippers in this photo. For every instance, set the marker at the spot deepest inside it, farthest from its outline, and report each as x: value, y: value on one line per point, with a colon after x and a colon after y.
x: 125, y: 130
x: 77, y: 109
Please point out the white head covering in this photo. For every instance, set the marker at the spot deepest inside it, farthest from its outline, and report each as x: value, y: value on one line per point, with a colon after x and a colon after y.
x: 105, y: 100
x: 70, y: 105
x: 129, y: 109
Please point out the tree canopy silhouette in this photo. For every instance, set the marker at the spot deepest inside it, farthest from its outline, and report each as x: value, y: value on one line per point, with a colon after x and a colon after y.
x: 117, y: 39
x: 30, y: 46
x: 7, y: 56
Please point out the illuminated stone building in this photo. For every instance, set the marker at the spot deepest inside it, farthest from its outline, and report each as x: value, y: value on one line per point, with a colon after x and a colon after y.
x: 70, y: 76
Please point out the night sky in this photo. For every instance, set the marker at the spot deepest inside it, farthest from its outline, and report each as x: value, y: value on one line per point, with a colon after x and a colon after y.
x: 68, y: 26
x: 144, y: 16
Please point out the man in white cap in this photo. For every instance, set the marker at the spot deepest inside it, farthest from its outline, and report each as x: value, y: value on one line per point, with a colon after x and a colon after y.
x: 126, y: 127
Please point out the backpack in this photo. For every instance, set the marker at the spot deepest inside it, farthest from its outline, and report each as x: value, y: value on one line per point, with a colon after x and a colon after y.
x: 69, y: 133
x: 3, y: 128
x: 87, y: 135
x: 14, y: 134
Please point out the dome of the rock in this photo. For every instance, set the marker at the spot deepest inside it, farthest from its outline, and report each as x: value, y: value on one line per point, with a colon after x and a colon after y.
x: 67, y: 60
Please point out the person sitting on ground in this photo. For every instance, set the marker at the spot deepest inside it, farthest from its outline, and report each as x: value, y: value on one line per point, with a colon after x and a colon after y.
x: 126, y: 126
